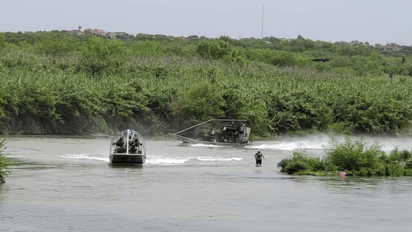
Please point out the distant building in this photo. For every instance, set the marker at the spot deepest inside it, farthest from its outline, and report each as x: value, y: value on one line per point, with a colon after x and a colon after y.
x: 110, y: 35
x: 94, y: 31
x: 114, y: 35
x: 98, y: 32
x: 75, y: 32
x: 121, y: 34
x: 284, y: 39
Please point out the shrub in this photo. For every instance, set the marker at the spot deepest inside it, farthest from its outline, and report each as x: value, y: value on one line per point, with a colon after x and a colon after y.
x: 301, y: 160
x: 283, y: 59
x: 395, y: 170
x: 397, y: 156
x: 283, y: 163
x: 203, y: 102
x: 147, y: 47
x: 103, y: 56
x: 4, y: 162
x: 215, y: 49
x: 295, y: 166
x: 353, y: 155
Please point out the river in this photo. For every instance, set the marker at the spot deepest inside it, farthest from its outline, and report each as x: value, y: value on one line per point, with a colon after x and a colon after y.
x: 67, y: 184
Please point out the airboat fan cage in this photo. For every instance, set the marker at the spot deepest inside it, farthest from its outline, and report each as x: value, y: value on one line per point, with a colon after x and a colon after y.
x: 228, y: 132
x: 128, y: 136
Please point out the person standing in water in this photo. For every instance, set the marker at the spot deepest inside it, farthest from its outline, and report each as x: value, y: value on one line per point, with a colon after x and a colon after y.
x: 259, y: 156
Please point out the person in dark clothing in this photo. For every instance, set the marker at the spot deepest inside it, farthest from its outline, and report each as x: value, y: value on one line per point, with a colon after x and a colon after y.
x: 120, y: 142
x: 120, y: 146
x: 211, y: 135
x: 133, y: 149
x: 134, y: 145
x: 259, y: 156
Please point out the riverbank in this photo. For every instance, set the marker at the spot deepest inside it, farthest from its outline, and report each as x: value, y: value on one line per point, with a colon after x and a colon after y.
x: 4, y: 162
x: 322, y: 103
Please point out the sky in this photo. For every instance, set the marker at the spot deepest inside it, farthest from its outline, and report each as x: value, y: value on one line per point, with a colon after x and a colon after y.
x: 373, y: 21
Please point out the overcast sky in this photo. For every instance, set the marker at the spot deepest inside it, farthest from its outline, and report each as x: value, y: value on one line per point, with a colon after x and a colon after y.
x: 373, y: 21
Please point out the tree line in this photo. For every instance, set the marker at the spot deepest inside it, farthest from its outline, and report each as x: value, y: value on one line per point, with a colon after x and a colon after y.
x: 54, y: 83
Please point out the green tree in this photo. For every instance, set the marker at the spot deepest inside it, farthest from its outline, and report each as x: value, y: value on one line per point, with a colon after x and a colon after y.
x: 104, y: 56
x: 214, y: 49
x: 55, y: 44
x: 201, y: 102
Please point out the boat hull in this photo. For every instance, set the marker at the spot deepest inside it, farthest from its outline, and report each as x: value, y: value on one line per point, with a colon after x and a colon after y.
x: 120, y: 158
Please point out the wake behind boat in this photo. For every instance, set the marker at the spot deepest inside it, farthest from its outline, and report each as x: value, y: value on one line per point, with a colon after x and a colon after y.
x: 223, y: 132
x: 128, y: 147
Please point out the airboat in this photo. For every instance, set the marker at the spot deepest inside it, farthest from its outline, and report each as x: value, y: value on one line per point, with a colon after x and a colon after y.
x: 127, y: 147
x: 222, y: 132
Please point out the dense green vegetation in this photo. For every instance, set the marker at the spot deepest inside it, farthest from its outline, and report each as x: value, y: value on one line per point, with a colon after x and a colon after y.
x: 53, y: 83
x: 4, y: 163
x: 353, y: 157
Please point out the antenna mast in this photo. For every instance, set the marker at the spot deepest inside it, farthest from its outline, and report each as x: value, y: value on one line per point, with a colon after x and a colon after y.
x: 263, y: 10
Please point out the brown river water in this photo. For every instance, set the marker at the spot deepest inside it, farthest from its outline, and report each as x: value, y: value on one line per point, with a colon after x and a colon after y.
x: 67, y: 184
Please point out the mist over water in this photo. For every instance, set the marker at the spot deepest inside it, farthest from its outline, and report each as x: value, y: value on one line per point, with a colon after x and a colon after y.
x: 67, y: 184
